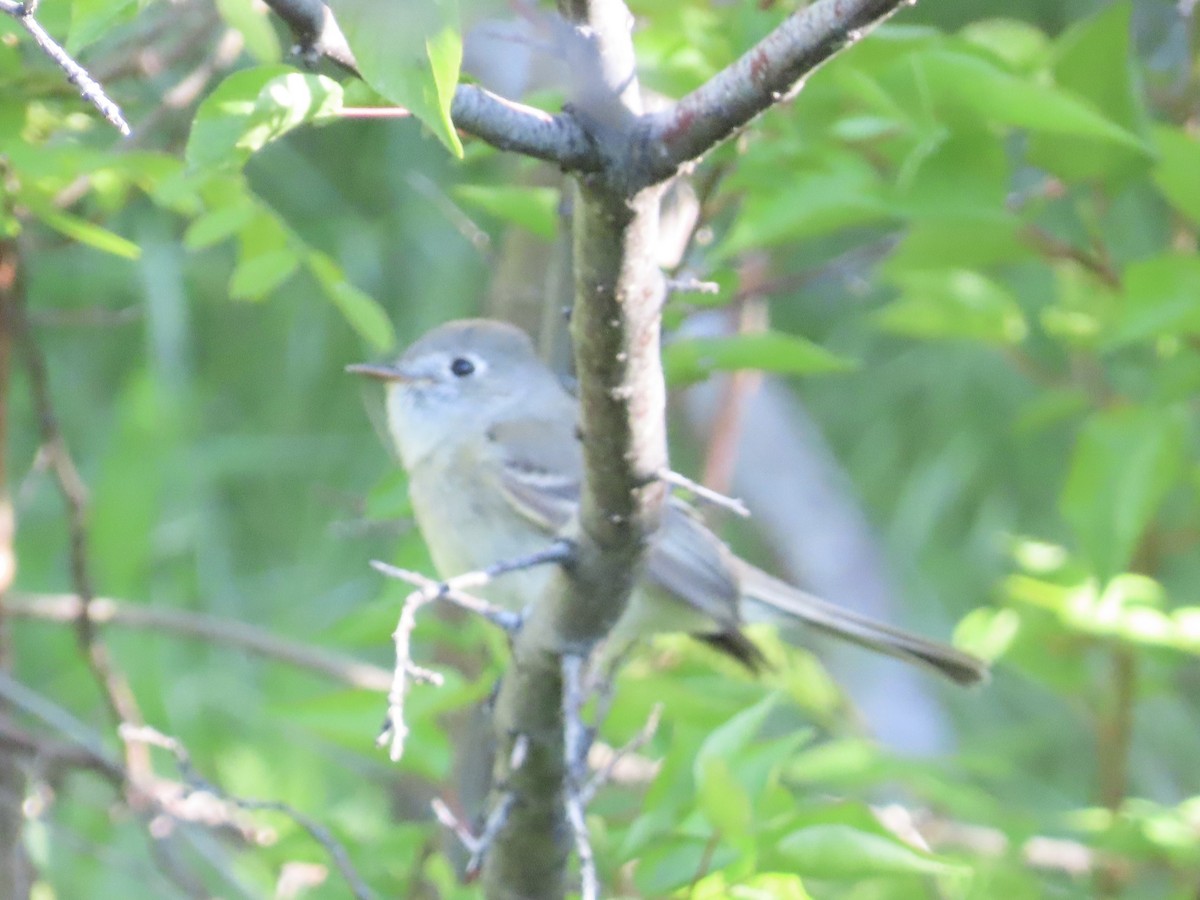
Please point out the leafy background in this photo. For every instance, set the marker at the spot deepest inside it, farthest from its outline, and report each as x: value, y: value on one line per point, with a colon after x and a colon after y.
x: 982, y: 233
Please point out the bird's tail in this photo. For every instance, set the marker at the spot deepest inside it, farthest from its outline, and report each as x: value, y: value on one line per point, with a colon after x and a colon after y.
x: 775, y: 601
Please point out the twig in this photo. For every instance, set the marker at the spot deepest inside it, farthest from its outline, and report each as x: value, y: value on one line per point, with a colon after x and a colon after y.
x: 431, y: 589
x: 146, y: 735
x: 144, y: 792
x: 604, y: 774
x: 222, y: 632
x: 589, y: 888
x: 395, y: 730
x: 478, y: 845
x: 16, y: 870
x: 1054, y: 248
x: 925, y: 829
x: 708, y: 495
x: 720, y: 457
x: 692, y: 286
x: 113, y: 685
x: 89, y: 88
x: 575, y: 747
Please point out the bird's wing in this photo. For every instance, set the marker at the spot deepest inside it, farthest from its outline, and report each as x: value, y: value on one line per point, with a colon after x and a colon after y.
x: 691, y: 563
x: 540, y: 471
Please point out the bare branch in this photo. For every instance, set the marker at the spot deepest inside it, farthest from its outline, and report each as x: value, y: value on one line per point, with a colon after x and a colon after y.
x: 222, y: 632
x: 113, y: 685
x: 478, y: 845
x: 395, y: 731
x: 608, y: 767
x: 89, y: 88
x: 508, y: 125
x: 198, y: 783
x: 706, y: 494
x: 769, y: 73
x: 16, y: 869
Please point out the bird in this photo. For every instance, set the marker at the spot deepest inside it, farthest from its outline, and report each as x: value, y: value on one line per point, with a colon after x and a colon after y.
x: 489, y: 438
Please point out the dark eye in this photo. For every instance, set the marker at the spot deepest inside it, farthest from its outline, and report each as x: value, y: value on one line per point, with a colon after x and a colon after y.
x: 462, y: 367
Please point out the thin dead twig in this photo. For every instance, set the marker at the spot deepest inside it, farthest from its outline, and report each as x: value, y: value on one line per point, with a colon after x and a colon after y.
x: 146, y: 735
x: 113, y: 685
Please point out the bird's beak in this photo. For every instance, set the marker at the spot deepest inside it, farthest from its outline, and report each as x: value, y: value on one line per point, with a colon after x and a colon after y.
x: 382, y: 372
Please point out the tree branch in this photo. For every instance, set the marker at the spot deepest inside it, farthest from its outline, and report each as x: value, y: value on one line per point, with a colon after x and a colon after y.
x: 89, y: 88
x: 615, y: 331
x: 769, y: 73
x: 504, y: 124
x: 222, y: 632
x: 16, y: 871
x: 508, y: 125
x: 114, y: 687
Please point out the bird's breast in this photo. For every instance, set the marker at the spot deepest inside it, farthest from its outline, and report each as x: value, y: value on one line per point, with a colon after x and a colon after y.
x: 468, y: 524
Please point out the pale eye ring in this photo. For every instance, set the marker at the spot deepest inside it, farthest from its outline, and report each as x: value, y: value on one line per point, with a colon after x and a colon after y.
x: 462, y: 367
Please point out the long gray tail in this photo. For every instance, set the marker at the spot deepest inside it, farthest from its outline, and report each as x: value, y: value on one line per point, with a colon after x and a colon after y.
x: 775, y: 601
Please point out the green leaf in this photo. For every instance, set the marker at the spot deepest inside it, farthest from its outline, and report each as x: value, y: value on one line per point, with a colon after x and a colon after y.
x: 1159, y: 298
x: 967, y: 85
x: 92, y: 19
x: 675, y: 861
x: 1018, y: 44
x: 218, y: 225
x: 1125, y: 461
x: 79, y: 229
x: 954, y: 303
x: 845, y: 852
x: 411, y: 57
x: 723, y: 799
x: 686, y: 361
x: 818, y: 196
x: 252, y: 21
x: 987, y: 632
x: 738, y: 732
x: 253, y: 107
x: 532, y: 208
x: 963, y: 175
x: 971, y: 241
x: 362, y: 312
x: 1178, y: 171
x: 257, y: 276
x: 1097, y: 64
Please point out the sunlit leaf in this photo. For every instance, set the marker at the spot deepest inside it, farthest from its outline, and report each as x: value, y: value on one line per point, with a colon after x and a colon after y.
x: 412, y: 59
x: 1159, y: 297
x: 1177, y: 173
x: 1125, y: 461
x: 694, y: 359
x: 954, y: 304
x: 844, y: 852
x: 253, y: 107
x: 80, y: 229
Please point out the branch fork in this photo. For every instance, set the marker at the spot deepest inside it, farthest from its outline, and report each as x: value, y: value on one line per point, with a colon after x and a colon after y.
x: 394, y: 733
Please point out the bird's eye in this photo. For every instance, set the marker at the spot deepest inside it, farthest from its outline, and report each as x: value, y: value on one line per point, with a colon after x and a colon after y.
x: 462, y: 367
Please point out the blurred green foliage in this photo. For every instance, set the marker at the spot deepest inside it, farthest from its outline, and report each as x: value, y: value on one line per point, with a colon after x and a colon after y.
x: 1009, y: 376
